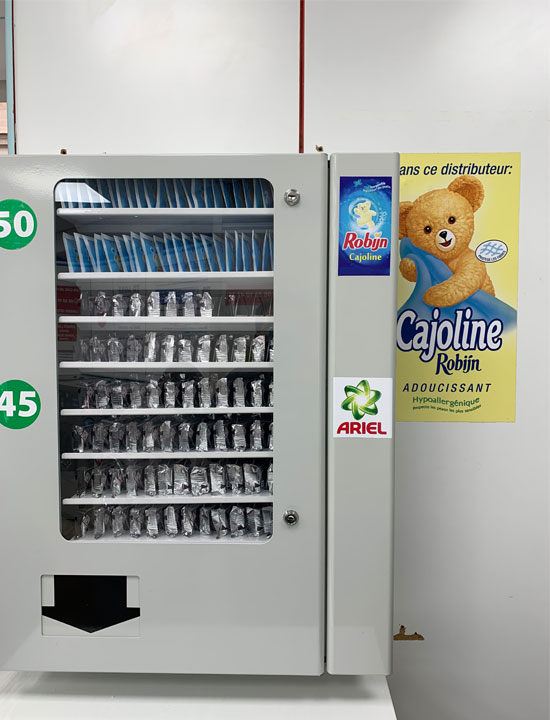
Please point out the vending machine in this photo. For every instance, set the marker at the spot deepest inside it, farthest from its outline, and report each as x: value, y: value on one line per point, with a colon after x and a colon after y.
x: 196, y: 413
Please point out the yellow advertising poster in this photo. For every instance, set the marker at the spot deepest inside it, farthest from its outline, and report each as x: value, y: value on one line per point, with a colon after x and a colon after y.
x: 457, y: 287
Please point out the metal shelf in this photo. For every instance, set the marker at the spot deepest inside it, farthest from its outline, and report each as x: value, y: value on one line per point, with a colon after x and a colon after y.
x: 163, y: 539
x: 153, y: 367
x: 176, y: 455
x: 172, y: 280
x: 88, y: 499
x: 109, y: 412
x: 179, y: 323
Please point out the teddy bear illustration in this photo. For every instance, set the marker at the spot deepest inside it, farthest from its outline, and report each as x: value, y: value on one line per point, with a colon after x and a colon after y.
x: 364, y: 214
x: 442, y: 223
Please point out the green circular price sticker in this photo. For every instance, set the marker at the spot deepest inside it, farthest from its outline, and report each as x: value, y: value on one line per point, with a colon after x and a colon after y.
x: 17, y: 224
x: 19, y: 404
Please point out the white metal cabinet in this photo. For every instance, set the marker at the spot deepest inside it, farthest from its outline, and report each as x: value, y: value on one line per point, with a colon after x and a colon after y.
x: 204, y: 607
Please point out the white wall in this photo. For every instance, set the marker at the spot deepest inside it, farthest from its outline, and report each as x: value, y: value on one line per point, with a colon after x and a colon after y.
x: 471, y: 500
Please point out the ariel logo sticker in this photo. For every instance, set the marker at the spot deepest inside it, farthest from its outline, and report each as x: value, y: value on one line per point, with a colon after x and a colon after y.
x: 367, y: 408
x: 361, y: 400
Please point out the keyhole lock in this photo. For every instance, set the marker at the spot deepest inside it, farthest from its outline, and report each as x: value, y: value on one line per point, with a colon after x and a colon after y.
x: 291, y: 517
x: 292, y: 197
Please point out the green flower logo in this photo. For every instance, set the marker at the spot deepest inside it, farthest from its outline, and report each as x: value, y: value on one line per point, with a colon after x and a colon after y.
x: 361, y: 400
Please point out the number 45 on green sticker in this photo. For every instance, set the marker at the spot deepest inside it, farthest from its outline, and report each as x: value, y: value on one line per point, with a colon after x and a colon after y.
x: 17, y: 224
x: 19, y: 404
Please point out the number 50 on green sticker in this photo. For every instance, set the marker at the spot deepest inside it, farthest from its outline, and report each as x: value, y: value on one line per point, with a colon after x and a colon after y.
x: 17, y: 224
x: 19, y: 404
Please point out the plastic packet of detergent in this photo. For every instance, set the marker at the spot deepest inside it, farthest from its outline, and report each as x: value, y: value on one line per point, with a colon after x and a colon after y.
x: 248, y: 187
x: 200, y: 253
x: 167, y: 434
x: 170, y: 251
x: 238, y: 392
x: 110, y: 249
x: 139, y: 255
x: 113, y: 192
x: 133, y: 434
x: 89, y: 244
x: 269, y: 235
x: 197, y: 192
x: 219, y: 521
x: 153, y: 304
x: 151, y: 192
x: 127, y: 240
x: 217, y: 479
x: 136, y: 391
x: 99, y: 481
x: 131, y: 194
x: 208, y: 193
x: 235, y: 479
x: 188, y: 516
x: 162, y: 197
x: 71, y: 253
x: 204, y: 344
x: 100, y: 305
x: 170, y: 193
x: 219, y: 249
x: 164, y: 479
x: 122, y: 197
x: 257, y: 392
x: 116, y: 479
x: 170, y: 302
x: 205, y: 391
x: 83, y: 480
x: 139, y: 189
x: 134, y: 349
x: 150, y: 480
x: 182, y: 264
x: 267, y: 519
x: 246, y: 249
x: 257, y: 264
x: 181, y: 479
x: 170, y: 521
x: 162, y: 254
x: 104, y: 192
x: 256, y: 439
x: 266, y: 256
x: 238, y: 192
x: 205, y: 520
x: 115, y: 349
x: 222, y: 393
x: 270, y: 478
x: 202, y: 437
x: 185, y: 437
x: 98, y: 350
x: 228, y: 195
x: 185, y: 198
x: 153, y: 521
x: 152, y: 260
x: 185, y: 350
x: 169, y: 393
x: 210, y: 252
x: 87, y: 264
x: 122, y: 252
x: 258, y: 348
x: 240, y: 348
x: 221, y: 351
x: 230, y: 249
x: 258, y: 195
x: 237, y: 522
x: 150, y: 347
x: 100, y: 522
x: 136, y: 522
x: 220, y: 436
x: 187, y: 248
x: 239, y: 437
x: 252, y: 479
x: 254, y: 521
x: 267, y: 193
x: 205, y: 304
x: 133, y: 480
x: 239, y: 266
x: 119, y: 520
x: 199, y: 481
x: 217, y: 191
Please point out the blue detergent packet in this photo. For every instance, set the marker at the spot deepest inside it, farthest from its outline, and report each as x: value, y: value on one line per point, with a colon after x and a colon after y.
x: 219, y: 202
x: 238, y: 192
x: 181, y: 253
x: 84, y: 257
x: 123, y: 253
x: 197, y: 191
x: 183, y: 194
x: 219, y: 247
x: 190, y: 253
x: 96, y: 199
x: 256, y: 251
x: 110, y: 247
x: 130, y: 251
x: 113, y: 193
x: 248, y: 187
x: 170, y: 252
x: 267, y: 193
x: 228, y: 196
x: 210, y: 252
x: 152, y: 259
x: 162, y: 254
x: 105, y: 192
x: 230, y: 263
x: 269, y: 233
x: 170, y: 192
x: 141, y: 195
x: 86, y: 252
x: 266, y: 256
x: 139, y: 255
x: 131, y: 193
x: 101, y: 258
x: 162, y: 197
x: 201, y: 255
x: 238, y: 252
x: 122, y: 196
x: 246, y: 249
x: 71, y: 253
x: 258, y: 196
x: 151, y: 192
x: 208, y: 193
